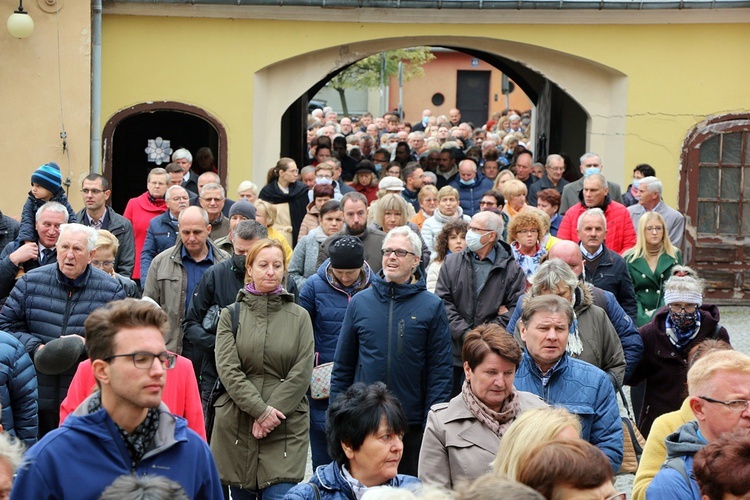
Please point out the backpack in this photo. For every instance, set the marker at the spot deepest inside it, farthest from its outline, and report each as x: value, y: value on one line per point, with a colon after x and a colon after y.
x: 218, y: 389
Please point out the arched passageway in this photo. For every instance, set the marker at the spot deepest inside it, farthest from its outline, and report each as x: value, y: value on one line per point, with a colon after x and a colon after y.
x: 584, y: 102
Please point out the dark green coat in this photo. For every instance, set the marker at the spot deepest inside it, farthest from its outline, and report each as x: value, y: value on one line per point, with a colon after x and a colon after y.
x: 269, y: 363
x: 648, y: 285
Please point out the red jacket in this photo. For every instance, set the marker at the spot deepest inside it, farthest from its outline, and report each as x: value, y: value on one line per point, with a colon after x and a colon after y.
x: 370, y: 192
x: 139, y: 212
x: 620, y: 231
x: 180, y: 393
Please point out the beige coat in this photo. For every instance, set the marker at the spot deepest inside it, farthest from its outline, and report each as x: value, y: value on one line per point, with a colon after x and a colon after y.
x: 456, y: 446
x: 167, y: 285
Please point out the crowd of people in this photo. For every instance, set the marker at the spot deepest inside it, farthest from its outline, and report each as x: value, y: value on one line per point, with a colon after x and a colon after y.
x: 425, y: 310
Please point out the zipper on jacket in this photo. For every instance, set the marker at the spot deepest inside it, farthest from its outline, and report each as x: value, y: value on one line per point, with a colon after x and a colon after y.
x: 400, y: 337
x: 390, y: 337
x: 67, y: 312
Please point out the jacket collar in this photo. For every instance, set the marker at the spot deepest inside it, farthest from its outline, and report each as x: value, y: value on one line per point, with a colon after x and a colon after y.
x: 400, y: 292
x: 503, y: 255
x: 561, y: 365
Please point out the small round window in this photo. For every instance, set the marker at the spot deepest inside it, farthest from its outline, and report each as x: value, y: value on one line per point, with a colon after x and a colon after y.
x: 438, y: 99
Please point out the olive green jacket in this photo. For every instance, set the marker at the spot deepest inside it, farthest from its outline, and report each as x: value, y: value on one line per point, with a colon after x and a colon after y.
x: 269, y: 362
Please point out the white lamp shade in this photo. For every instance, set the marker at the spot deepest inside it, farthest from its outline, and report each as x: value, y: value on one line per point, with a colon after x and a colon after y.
x: 20, y: 25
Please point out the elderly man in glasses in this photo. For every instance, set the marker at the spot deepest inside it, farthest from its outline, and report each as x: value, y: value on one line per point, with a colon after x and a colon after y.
x: 719, y: 390
x: 124, y: 428
x: 397, y: 332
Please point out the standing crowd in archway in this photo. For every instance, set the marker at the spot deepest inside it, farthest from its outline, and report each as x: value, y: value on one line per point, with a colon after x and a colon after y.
x: 429, y: 309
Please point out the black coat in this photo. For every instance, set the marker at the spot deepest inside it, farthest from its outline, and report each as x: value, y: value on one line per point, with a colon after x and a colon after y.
x: 612, y: 275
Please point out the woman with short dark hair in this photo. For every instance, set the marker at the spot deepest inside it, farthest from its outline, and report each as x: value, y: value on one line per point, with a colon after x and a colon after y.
x: 366, y: 425
x: 462, y: 436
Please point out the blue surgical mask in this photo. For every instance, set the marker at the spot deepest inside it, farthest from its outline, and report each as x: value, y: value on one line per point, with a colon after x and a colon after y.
x: 591, y: 171
x: 425, y: 120
x: 470, y: 182
x: 636, y: 183
x: 378, y: 167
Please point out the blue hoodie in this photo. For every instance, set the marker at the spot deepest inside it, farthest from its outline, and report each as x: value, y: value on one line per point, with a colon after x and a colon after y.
x: 86, y: 454
x: 669, y: 483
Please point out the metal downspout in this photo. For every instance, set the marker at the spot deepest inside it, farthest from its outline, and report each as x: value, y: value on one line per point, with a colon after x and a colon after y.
x: 96, y: 86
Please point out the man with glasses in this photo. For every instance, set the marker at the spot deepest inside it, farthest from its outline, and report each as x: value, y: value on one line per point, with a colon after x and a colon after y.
x: 481, y: 284
x: 552, y: 178
x: 212, y: 200
x: 719, y: 390
x: 52, y: 302
x: 649, y: 199
x: 397, y: 332
x: 95, y: 192
x: 124, y: 428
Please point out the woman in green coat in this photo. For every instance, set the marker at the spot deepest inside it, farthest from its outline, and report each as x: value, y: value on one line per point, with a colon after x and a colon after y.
x: 261, y: 432
x: 650, y: 262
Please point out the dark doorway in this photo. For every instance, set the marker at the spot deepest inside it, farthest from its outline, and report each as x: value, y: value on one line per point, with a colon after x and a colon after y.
x: 473, y: 96
x: 129, y: 166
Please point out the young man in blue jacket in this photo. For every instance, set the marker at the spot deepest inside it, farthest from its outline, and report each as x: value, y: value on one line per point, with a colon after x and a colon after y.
x: 123, y: 428
x: 397, y: 332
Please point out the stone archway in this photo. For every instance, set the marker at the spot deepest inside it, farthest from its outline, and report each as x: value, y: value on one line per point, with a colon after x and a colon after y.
x: 601, y: 91
x: 190, y: 125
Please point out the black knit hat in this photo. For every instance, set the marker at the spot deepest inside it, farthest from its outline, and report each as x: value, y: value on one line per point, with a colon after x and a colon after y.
x: 243, y: 208
x: 346, y: 252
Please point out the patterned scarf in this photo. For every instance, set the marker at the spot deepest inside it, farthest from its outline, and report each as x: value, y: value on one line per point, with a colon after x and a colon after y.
x: 575, y: 346
x: 157, y: 202
x: 139, y: 441
x: 679, y: 338
x: 497, y: 422
x: 250, y: 288
x: 529, y: 263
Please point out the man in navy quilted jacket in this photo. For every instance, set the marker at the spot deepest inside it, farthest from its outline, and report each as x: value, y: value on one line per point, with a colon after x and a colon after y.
x: 53, y: 301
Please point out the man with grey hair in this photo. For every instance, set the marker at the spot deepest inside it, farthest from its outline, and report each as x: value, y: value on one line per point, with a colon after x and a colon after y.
x: 212, y: 198
x: 52, y: 302
x: 184, y: 159
x: 210, y: 178
x: 595, y: 194
x: 604, y: 268
x: 218, y: 287
x: 552, y: 178
x: 649, y: 199
x: 397, y: 332
x: 20, y: 257
x: 591, y: 163
x: 175, y: 273
x: 481, y: 284
x: 162, y: 230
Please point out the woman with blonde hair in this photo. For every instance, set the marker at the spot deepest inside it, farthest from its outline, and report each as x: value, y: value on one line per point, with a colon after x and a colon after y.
x: 502, y: 178
x: 650, y: 262
x: 391, y: 212
x: 515, y: 192
x: 533, y: 427
x: 427, y: 199
x: 265, y: 213
x: 447, y: 210
x: 105, y: 251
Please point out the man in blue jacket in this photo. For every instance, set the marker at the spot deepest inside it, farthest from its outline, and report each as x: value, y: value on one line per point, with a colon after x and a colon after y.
x: 547, y: 371
x: 471, y: 186
x: 397, y: 332
x: 124, y: 428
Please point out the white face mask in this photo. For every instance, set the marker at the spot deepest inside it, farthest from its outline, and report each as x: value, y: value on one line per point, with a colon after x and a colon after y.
x: 323, y: 180
x: 473, y: 240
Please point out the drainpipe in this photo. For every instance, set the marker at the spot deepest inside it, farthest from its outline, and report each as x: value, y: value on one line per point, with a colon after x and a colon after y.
x: 96, y: 86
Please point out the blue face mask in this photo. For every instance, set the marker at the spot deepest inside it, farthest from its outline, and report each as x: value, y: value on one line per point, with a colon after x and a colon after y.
x: 636, y: 183
x: 467, y: 183
x: 378, y: 167
x: 592, y: 171
x: 425, y: 120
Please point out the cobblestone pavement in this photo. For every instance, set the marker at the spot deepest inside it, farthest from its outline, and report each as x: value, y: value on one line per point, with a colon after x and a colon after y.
x: 735, y: 319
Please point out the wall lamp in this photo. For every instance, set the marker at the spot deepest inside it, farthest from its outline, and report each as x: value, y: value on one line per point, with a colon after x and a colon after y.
x: 20, y: 23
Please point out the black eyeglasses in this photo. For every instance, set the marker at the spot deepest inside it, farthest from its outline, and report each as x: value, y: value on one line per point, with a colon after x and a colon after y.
x: 734, y: 405
x: 399, y: 252
x: 145, y: 360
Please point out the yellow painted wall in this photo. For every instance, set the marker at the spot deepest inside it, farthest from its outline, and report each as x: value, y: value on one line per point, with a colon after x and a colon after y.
x: 676, y: 74
x: 30, y: 99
